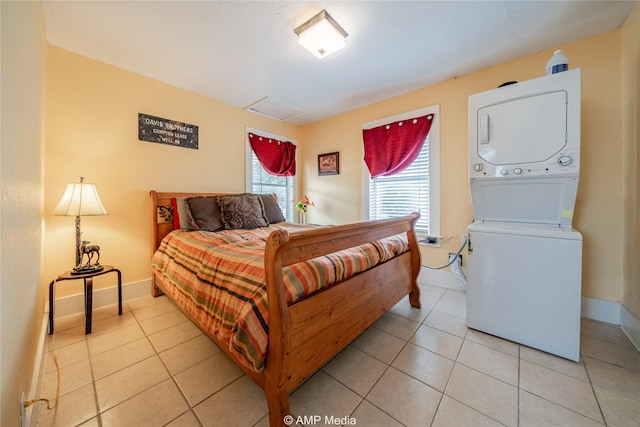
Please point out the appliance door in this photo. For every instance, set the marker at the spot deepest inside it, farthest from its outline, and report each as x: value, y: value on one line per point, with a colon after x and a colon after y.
x: 524, y: 130
x: 528, y: 200
x: 526, y: 287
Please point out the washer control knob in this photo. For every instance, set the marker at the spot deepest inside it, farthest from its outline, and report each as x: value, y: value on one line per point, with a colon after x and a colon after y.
x: 503, y: 172
x: 517, y: 171
x: 478, y: 167
x: 565, y: 160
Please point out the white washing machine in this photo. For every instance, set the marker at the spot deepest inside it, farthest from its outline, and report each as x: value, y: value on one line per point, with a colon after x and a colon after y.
x: 524, y: 285
x: 524, y: 258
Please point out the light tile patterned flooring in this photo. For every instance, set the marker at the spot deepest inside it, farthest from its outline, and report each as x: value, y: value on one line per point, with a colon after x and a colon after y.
x: 153, y: 367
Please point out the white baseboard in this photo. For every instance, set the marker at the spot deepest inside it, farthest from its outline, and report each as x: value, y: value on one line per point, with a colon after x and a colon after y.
x: 630, y: 326
x: 615, y: 313
x: 601, y: 310
x: 592, y: 308
x: 73, y: 304
x: 37, y: 380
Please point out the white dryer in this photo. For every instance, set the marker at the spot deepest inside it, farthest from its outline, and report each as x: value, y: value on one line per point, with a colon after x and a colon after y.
x: 524, y: 258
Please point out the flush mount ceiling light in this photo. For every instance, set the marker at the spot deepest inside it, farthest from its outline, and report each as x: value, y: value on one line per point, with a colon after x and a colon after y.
x: 321, y: 35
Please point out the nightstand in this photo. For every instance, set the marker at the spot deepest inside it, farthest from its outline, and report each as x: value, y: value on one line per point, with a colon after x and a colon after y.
x: 88, y: 293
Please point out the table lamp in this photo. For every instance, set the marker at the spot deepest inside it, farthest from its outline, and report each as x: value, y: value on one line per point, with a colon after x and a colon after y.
x: 78, y: 200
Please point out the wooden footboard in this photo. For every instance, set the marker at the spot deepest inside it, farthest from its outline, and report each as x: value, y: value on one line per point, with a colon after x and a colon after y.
x: 308, y: 333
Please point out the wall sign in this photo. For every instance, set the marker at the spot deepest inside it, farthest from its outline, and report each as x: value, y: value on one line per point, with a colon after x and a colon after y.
x: 165, y: 131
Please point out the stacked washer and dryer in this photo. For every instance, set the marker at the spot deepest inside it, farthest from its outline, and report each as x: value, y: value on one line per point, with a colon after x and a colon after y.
x: 524, y: 258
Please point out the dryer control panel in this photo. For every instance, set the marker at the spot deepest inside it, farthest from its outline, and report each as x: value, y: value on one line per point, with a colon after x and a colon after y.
x: 560, y: 164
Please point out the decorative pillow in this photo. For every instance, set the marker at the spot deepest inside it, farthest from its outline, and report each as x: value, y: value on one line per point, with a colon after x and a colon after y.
x: 181, y: 215
x: 242, y: 212
x: 205, y: 213
x: 271, y: 208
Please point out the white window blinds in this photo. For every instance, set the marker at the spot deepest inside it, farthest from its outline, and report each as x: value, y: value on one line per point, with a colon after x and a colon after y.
x: 403, y: 193
x: 265, y: 183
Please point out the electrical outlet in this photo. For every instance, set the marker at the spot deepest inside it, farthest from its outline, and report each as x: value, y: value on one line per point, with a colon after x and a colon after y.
x: 23, y: 415
x: 452, y: 255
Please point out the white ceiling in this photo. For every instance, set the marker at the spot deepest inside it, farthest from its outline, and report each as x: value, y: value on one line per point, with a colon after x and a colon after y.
x: 239, y: 52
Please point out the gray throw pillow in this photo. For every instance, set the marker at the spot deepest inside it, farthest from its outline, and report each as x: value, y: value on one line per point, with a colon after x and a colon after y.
x: 271, y: 208
x: 242, y: 212
x: 205, y: 213
x: 181, y: 215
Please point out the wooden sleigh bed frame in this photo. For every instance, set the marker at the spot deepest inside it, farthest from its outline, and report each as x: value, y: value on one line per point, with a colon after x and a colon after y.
x: 305, y: 335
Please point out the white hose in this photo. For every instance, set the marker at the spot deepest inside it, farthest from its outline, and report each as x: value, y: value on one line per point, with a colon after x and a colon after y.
x: 458, y: 273
x: 455, y: 264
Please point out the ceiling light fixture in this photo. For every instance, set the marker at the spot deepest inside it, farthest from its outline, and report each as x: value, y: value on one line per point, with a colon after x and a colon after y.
x: 321, y: 35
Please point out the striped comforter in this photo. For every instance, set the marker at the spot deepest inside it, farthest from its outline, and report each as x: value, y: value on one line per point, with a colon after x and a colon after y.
x: 218, y: 279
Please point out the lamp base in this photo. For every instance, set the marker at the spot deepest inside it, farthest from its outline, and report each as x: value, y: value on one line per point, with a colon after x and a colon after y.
x: 87, y: 268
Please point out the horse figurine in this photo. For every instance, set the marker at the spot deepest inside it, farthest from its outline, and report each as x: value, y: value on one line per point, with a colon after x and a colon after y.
x: 90, y: 251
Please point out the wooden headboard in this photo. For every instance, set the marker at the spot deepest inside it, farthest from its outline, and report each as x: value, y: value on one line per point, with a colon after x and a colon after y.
x: 162, y: 214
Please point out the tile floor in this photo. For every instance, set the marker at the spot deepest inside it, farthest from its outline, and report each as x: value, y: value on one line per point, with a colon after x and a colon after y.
x: 153, y: 367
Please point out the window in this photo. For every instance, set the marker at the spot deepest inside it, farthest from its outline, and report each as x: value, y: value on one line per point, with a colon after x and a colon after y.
x: 259, y: 181
x: 416, y: 189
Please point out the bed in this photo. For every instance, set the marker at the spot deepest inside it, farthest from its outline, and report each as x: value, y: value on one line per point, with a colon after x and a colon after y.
x: 302, y: 332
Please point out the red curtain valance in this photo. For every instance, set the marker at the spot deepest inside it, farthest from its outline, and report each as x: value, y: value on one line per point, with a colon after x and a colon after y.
x: 391, y: 148
x: 277, y: 157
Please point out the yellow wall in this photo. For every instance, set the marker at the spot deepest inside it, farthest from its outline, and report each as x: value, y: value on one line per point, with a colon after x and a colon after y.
x: 599, y: 203
x: 631, y: 141
x: 21, y: 297
x: 92, y: 130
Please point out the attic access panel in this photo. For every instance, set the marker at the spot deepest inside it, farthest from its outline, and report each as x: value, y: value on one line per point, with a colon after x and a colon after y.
x: 273, y: 109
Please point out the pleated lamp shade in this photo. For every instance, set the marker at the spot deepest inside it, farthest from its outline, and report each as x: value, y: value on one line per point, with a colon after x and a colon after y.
x: 80, y: 200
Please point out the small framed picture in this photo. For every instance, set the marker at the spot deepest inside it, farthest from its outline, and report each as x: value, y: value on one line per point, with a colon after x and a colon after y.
x: 329, y: 164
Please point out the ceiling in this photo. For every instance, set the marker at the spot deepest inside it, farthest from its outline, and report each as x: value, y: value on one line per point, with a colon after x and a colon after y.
x: 240, y: 52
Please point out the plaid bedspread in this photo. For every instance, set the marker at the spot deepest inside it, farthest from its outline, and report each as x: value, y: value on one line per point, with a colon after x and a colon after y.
x: 219, y: 279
